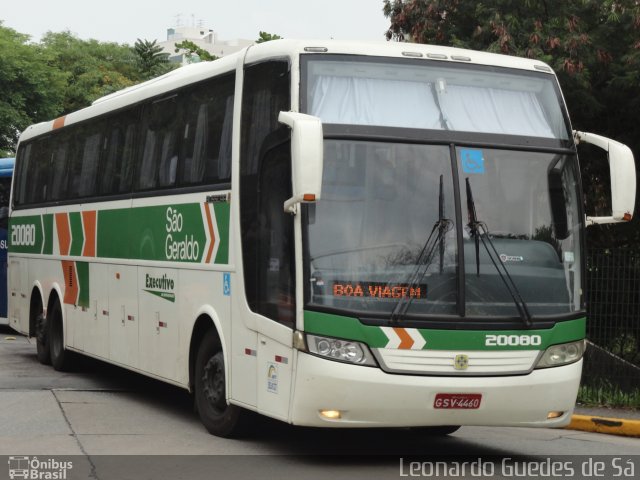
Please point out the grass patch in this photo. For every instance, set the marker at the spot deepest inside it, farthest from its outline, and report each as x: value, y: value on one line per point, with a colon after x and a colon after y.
x: 607, y: 395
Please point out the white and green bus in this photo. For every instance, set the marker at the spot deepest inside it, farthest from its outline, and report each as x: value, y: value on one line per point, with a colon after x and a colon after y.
x: 330, y: 234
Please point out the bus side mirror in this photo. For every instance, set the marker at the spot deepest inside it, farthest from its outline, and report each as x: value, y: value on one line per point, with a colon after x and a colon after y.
x: 306, y: 158
x: 623, y: 177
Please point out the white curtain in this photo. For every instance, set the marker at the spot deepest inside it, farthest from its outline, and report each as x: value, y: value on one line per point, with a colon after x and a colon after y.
x: 224, y: 154
x: 408, y: 104
x: 372, y: 101
x: 147, y: 175
x: 195, y: 173
x: 492, y: 110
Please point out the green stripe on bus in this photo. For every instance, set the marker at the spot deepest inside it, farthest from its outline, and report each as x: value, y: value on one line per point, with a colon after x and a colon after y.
x: 352, y: 329
x: 176, y: 233
x: 112, y: 238
x: 77, y: 237
x: 222, y: 219
x: 25, y: 234
x: 343, y: 327
x: 47, y: 222
x: 83, y: 284
x: 168, y: 232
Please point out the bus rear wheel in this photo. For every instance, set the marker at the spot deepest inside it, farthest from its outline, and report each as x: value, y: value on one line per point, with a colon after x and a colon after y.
x: 219, y: 417
x: 60, y: 357
x: 42, y: 340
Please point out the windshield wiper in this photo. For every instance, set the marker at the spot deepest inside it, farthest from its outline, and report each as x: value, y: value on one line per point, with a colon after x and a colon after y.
x: 480, y: 233
x: 423, y: 262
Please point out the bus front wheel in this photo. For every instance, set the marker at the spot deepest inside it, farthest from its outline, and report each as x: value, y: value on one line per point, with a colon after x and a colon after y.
x: 219, y: 417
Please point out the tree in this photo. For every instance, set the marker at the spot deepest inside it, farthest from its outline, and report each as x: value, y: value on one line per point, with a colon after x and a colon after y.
x: 152, y: 60
x: 267, y: 37
x: 91, y: 68
x: 193, y: 52
x: 30, y: 91
x: 593, y: 45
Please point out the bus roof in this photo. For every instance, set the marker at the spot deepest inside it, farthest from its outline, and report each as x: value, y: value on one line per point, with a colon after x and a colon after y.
x: 280, y: 48
x: 6, y: 166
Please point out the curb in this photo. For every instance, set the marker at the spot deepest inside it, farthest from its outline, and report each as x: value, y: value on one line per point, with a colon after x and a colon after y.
x: 612, y: 426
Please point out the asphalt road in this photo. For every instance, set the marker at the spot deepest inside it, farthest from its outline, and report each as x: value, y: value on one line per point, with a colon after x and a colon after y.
x: 112, y: 423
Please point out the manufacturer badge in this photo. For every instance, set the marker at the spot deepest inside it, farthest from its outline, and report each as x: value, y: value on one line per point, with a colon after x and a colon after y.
x: 461, y: 362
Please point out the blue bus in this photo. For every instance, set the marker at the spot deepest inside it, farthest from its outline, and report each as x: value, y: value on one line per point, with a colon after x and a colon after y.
x: 6, y: 172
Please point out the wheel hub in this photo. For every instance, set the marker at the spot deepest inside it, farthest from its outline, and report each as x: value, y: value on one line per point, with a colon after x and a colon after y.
x: 213, y: 383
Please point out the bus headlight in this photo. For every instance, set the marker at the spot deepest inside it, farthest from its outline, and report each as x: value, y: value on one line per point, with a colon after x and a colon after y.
x: 347, y: 351
x: 563, y: 354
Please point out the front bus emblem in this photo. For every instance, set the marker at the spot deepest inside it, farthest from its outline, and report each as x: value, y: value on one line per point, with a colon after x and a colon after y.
x: 461, y: 362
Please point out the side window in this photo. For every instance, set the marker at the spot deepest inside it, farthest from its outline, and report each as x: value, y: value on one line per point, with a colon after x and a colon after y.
x: 206, y: 155
x: 62, y: 158
x: 83, y: 166
x: 38, y: 170
x: 90, y: 161
x: 23, y: 159
x: 118, y: 154
x: 265, y: 183
x: 161, y: 134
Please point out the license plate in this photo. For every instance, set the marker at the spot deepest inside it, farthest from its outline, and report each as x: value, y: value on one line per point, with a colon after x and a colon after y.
x: 463, y: 401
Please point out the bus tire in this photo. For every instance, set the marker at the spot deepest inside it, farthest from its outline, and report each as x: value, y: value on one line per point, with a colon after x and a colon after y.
x: 60, y: 358
x: 219, y: 417
x: 42, y: 340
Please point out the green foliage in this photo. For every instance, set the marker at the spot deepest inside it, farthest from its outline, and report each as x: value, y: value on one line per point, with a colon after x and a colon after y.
x: 267, y: 37
x: 593, y: 45
x: 152, y: 61
x: 91, y: 68
x: 608, y: 395
x: 194, y: 53
x: 62, y: 73
x: 30, y: 91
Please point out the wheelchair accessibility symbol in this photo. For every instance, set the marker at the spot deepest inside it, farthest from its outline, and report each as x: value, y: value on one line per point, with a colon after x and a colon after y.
x: 226, y: 284
x: 472, y: 160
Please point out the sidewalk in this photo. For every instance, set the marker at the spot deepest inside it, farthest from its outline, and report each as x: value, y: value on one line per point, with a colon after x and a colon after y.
x: 606, y: 420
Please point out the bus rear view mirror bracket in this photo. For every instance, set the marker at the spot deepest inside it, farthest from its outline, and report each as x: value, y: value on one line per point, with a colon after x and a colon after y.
x: 623, y: 177
x: 306, y: 158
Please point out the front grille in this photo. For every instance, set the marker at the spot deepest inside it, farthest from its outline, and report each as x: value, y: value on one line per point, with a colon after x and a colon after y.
x: 443, y: 362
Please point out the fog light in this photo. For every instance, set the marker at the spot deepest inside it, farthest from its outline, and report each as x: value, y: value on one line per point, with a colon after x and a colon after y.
x: 331, y: 414
x: 552, y: 415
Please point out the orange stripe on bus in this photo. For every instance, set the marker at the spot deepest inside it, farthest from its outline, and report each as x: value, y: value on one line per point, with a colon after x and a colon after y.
x: 211, y: 232
x: 64, y: 233
x: 59, y: 122
x: 406, y: 341
x: 70, y: 282
x: 89, y: 222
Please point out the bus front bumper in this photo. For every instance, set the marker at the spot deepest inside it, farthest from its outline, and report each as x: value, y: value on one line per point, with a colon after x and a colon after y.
x: 369, y: 397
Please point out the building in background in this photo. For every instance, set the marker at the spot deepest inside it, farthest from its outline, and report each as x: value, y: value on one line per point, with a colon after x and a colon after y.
x: 202, y: 37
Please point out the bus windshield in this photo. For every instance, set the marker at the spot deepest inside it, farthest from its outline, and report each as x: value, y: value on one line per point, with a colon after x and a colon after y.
x: 380, y: 202
x: 367, y: 238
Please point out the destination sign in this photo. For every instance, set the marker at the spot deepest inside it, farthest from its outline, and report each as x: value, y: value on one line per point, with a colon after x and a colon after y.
x: 380, y: 290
